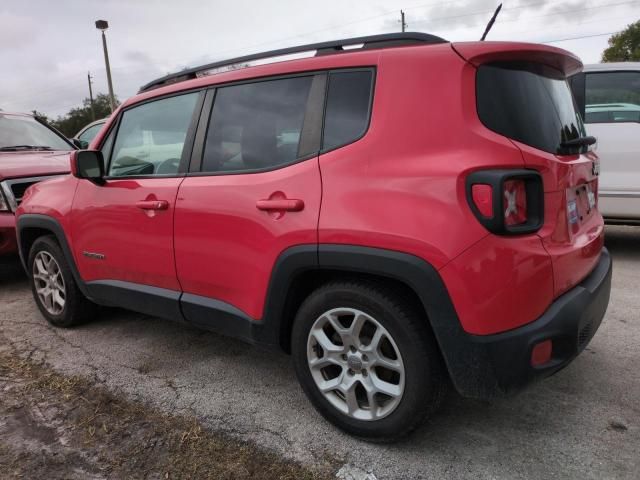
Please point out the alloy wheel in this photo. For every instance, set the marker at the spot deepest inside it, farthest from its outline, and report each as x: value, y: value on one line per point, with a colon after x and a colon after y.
x: 355, y: 364
x: 49, y: 283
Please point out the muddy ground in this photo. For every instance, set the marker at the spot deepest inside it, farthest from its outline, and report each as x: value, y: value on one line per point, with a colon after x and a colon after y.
x: 55, y: 426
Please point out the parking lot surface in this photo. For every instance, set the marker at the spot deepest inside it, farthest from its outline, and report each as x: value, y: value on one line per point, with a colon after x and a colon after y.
x: 582, y: 423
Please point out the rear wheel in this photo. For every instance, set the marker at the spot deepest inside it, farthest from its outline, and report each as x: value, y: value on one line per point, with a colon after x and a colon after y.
x: 53, y: 286
x: 367, y: 360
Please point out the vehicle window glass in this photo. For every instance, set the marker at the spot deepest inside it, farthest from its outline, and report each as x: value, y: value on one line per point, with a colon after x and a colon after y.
x: 107, y: 147
x: 90, y: 133
x: 347, y: 111
x: 528, y: 102
x: 256, y: 126
x: 23, y: 132
x: 612, y: 97
x: 151, y: 137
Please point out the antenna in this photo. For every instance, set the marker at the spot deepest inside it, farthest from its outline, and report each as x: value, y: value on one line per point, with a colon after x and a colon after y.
x: 490, y: 24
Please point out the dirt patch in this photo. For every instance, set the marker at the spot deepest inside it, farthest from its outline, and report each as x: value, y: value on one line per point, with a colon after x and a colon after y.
x: 56, y: 426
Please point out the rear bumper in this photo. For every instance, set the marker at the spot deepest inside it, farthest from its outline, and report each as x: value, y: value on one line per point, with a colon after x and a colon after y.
x: 502, y: 362
x: 8, y: 244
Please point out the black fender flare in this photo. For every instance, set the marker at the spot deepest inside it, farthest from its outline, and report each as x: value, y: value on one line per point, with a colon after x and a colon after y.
x: 461, y: 354
x: 44, y: 222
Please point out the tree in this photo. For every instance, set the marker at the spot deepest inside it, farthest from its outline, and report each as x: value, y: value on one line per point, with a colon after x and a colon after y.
x: 624, y: 46
x: 78, y: 117
x: 40, y: 116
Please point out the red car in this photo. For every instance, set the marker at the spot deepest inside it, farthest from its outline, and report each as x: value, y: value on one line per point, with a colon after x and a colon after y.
x: 29, y: 152
x: 398, y: 212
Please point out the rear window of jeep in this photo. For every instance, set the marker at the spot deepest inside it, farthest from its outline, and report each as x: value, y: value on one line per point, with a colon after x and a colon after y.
x: 528, y: 102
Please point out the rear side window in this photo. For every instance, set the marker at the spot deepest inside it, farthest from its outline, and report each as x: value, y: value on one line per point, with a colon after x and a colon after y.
x: 528, y: 102
x: 347, y: 111
x: 256, y: 126
x: 612, y: 97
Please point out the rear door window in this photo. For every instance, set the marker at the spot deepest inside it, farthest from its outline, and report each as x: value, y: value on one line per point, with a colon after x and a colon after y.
x: 348, y: 105
x: 612, y: 97
x: 528, y: 102
x: 256, y: 126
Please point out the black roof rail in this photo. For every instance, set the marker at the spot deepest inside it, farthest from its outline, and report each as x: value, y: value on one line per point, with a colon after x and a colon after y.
x: 335, y: 46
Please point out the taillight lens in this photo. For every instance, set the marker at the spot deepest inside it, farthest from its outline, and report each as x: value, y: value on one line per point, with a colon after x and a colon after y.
x: 482, y: 195
x: 515, y: 202
x: 507, y: 202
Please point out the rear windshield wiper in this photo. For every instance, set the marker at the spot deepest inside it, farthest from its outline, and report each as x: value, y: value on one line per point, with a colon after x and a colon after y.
x: 14, y: 148
x: 578, y: 142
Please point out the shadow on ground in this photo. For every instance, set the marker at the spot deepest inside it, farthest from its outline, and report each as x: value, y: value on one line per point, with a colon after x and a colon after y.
x: 11, y: 272
x: 623, y: 241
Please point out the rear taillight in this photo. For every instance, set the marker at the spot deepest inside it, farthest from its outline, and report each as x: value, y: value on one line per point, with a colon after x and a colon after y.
x: 507, y: 202
x: 515, y: 201
x: 483, y: 199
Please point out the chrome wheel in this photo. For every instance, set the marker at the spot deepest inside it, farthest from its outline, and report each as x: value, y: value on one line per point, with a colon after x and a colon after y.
x: 355, y: 363
x: 49, y: 283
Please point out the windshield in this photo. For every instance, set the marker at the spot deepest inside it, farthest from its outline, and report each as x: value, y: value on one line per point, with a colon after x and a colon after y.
x: 90, y: 133
x: 530, y: 103
x: 23, y: 132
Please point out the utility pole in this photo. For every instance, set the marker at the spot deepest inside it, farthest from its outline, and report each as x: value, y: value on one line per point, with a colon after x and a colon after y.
x: 93, y: 114
x: 402, y: 22
x: 102, y: 25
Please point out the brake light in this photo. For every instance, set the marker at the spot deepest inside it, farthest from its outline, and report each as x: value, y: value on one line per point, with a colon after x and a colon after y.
x: 482, y: 195
x: 507, y: 202
x: 515, y: 202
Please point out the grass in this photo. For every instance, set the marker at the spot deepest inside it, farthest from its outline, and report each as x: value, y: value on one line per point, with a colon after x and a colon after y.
x: 98, y: 431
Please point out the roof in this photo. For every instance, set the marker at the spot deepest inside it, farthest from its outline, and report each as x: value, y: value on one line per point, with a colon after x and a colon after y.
x: 618, y: 107
x: 3, y: 112
x: 611, y: 66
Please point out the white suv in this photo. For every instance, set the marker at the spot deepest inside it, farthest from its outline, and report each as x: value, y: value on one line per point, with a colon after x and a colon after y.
x: 609, y: 96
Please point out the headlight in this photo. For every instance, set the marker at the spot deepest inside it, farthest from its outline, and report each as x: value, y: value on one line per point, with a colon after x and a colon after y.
x: 5, y: 192
x: 4, y: 206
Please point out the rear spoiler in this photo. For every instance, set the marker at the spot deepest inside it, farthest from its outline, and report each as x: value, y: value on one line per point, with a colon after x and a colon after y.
x: 478, y: 53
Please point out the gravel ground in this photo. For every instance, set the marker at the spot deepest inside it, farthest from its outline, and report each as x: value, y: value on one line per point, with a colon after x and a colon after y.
x: 582, y: 423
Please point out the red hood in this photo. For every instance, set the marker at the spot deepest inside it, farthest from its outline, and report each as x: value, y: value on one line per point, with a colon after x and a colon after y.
x: 33, y: 164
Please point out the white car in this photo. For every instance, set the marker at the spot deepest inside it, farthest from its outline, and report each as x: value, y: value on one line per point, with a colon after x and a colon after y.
x: 609, y: 96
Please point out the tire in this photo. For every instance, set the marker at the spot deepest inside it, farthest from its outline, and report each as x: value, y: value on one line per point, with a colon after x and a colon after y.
x: 47, y: 260
x: 388, y: 322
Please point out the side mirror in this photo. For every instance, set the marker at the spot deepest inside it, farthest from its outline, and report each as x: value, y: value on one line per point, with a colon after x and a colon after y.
x: 88, y: 164
x: 81, y: 144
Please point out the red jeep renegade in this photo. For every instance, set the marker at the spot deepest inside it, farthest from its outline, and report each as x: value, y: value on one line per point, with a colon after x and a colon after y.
x: 397, y: 211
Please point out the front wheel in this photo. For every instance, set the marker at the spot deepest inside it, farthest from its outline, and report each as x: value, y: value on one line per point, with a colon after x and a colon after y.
x: 53, y: 286
x: 367, y: 360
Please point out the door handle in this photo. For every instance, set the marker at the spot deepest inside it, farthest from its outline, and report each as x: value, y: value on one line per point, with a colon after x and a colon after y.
x: 285, y: 204
x: 152, y: 204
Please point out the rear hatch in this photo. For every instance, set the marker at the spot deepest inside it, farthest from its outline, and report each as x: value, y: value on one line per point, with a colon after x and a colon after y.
x: 522, y: 93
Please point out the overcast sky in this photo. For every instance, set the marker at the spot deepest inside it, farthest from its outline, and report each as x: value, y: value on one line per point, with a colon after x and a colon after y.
x: 47, y: 47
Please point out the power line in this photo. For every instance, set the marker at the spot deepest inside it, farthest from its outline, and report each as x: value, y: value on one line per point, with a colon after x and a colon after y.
x: 582, y: 36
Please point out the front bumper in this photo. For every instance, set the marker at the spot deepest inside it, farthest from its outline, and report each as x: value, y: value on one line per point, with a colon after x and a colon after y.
x: 8, y: 244
x: 501, y: 363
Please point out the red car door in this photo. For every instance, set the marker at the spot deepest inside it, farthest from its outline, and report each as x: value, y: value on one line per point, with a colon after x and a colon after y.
x: 257, y: 193
x: 123, y: 229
